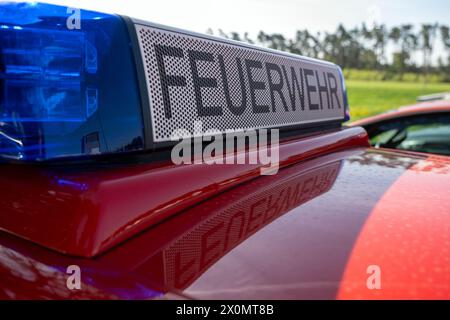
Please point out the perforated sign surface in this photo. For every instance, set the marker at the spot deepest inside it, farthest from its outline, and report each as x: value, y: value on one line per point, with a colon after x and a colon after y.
x: 229, y: 86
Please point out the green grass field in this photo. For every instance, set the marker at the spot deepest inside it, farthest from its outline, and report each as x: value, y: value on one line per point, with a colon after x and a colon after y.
x: 367, y: 98
x: 374, y: 75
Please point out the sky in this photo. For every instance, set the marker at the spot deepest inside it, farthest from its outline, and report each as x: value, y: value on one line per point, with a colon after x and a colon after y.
x: 281, y: 16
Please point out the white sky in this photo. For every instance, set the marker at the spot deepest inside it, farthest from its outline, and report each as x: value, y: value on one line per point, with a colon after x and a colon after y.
x: 283, y: 16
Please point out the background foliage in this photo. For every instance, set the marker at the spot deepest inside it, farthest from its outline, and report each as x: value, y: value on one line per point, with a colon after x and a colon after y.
x: 376, y: 82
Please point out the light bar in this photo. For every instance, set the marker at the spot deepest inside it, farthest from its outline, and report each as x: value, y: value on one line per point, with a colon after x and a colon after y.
x: 81, y: 83
x: 67, y: 87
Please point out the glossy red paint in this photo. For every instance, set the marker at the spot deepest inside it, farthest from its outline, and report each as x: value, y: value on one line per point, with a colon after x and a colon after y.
x: 407, y: 239
x: 28, y: 271
x: 83, y: 213
x: 419, y: 108
x: 302, y: 249
x: 181, y: 249
x: 173, y: 254
x: 262, y: 239
x: 294, y: 235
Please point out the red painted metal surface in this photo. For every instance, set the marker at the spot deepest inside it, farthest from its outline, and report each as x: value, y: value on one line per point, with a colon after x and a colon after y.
x: 84, y: 213
x: 417, y: 109
x: 227, y: 219
x: 407, y: 237
x: 308, y: 232
x: 265, y: 240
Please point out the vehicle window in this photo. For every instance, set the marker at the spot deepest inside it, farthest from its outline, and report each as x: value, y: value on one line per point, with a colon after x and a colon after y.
x: 383, y: 137
x: 424, y: 133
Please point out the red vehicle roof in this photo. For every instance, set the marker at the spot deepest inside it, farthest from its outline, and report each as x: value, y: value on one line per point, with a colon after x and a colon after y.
x: 311, y: 231
x: 97, y: 209
x: 419, y: 108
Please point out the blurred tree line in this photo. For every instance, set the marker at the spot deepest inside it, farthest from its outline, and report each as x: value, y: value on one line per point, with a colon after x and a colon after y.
x: 365, y: 47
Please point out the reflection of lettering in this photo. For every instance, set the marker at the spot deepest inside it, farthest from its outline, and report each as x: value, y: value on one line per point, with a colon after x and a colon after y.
x: 211, y: 245
x: 186, y: 270
x: 203, y: 246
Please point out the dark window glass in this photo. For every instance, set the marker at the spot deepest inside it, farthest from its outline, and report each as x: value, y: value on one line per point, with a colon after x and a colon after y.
x: 424, y: 133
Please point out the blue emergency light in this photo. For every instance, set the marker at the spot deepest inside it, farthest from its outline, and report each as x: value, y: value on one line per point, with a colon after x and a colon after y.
x: 82, y: 83
x: 67, y: 86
